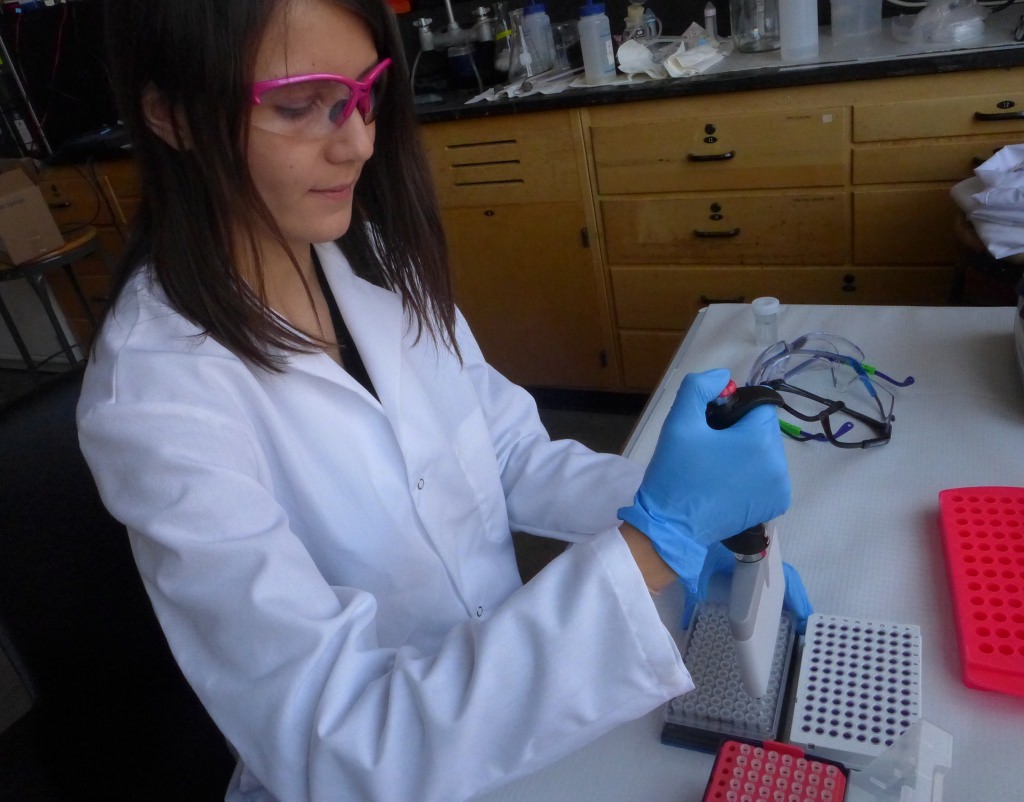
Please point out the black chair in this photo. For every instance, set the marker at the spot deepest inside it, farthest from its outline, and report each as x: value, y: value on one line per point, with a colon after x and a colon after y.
x: 112, y: 718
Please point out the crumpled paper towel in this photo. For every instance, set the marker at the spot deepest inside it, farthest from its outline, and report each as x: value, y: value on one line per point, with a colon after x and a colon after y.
x: 993, y: 200
x: 683, y: 64
x: 676, y: 61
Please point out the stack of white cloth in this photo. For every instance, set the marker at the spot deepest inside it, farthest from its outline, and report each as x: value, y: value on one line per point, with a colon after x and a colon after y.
x: 993, y: 200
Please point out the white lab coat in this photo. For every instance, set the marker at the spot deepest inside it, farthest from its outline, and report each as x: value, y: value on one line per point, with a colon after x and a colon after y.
x: 336, y: 575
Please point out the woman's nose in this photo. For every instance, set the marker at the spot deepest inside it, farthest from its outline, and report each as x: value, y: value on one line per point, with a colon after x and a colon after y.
x: 352, y: 140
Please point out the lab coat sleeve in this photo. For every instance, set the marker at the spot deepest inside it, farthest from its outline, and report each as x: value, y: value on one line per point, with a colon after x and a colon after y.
x: 290, y: 667
x: 560, y: 489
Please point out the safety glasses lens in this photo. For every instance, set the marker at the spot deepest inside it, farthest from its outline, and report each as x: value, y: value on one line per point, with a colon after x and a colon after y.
x: 315, y: 107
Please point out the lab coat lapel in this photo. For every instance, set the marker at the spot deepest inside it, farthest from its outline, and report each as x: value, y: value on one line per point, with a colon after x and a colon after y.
x: 378, y: 325
x: 375, y: 320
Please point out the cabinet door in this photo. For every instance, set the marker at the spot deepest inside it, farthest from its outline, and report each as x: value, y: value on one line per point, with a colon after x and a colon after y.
x: 525, y: 280
x: 646, y: 355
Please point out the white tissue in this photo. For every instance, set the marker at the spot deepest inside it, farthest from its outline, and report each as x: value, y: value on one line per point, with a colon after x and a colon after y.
x: 684, y: 63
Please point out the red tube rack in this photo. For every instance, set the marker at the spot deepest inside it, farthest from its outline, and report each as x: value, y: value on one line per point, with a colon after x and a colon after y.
x: 983, y: 538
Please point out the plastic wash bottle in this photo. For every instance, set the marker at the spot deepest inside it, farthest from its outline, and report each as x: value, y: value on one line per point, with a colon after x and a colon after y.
x: 540, y: 39
x: 596, y: 44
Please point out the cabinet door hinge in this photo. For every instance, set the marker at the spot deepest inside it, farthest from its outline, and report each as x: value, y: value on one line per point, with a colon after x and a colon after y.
x: 585, y: 237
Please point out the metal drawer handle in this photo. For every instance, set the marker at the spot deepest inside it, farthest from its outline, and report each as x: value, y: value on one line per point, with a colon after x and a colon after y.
x: 705, y: 300
x: 985, y: 117
x: 729, y: 233
x: 714, y: 157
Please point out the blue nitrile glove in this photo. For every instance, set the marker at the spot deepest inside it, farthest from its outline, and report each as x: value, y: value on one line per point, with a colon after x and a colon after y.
x: 722, y: 561
x: 704, y: 485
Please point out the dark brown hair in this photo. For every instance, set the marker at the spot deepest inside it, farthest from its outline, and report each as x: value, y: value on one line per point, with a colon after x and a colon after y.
x: 200, y: 55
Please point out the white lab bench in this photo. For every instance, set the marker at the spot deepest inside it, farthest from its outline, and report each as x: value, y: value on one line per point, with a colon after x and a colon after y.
x: 863, y: 531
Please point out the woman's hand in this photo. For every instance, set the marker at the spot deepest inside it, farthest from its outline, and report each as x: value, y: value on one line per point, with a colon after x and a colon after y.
x: 704, y: 485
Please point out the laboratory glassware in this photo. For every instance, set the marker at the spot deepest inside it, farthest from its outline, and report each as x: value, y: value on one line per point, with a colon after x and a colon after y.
x: 755, y: 25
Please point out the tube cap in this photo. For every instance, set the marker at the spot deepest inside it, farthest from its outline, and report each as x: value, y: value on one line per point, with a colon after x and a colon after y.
x: 766, y: 305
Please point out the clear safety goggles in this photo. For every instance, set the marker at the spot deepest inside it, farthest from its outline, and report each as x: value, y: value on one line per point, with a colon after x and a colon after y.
x: 314, y: 106
x: 825, y: 381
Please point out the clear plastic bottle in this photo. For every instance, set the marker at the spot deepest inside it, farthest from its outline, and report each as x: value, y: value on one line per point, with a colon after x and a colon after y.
x: 596, y: 44
x: 711, y: 22
x: 798, y: 29
x: 540, y: 39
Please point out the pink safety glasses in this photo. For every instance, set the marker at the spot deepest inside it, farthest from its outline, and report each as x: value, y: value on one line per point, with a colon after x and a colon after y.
x: 313, y: 106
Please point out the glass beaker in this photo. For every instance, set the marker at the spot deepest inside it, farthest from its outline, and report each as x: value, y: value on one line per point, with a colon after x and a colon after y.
x: 754, y: 24
x: 502, y: 38
x: 520, y: 62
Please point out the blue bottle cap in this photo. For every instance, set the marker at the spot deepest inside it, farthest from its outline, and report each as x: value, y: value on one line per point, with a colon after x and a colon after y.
x: 590, y: 9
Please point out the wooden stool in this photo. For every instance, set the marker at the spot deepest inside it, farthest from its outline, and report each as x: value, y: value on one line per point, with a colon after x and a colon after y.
x: 81, y: 245
x: 980, y: 279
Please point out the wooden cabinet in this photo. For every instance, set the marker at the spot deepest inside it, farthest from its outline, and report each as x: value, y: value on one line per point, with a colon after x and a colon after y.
x: 100, y: 194
x: 713, y: 199
x: 519, y: 220
x: 910, y: 145
x: 830, y: 194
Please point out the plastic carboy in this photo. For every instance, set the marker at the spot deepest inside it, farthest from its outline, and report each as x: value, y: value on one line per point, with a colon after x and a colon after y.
x: 754, y: 24
x: 596, y: 44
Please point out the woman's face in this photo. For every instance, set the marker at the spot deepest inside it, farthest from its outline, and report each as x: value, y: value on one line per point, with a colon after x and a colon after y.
x: 308, y: 184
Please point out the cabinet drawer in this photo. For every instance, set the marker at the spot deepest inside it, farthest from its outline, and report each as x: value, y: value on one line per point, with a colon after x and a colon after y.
x: 949, y: 116
x: 670, y: 297
x: 76, y: 199
x: 508, y: 159
x: 904, y: 226
x: 780, y: 149
x: 665, y: 298
x: 924, y: 161
x: 798, y: 228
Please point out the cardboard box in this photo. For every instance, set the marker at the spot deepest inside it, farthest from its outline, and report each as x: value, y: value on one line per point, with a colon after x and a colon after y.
x: 27, y: 228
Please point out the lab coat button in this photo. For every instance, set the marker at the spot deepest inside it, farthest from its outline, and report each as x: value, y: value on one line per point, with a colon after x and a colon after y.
x: 419, y: 485
x: 479, y: 612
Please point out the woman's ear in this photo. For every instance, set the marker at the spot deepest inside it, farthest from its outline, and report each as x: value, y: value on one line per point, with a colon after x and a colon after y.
x: 163, y: 120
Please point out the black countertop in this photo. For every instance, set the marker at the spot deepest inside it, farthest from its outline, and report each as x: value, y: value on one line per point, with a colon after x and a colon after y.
x: 742, y: 72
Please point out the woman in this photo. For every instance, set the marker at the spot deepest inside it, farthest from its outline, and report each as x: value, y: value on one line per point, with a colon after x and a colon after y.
x: 318, y: 470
